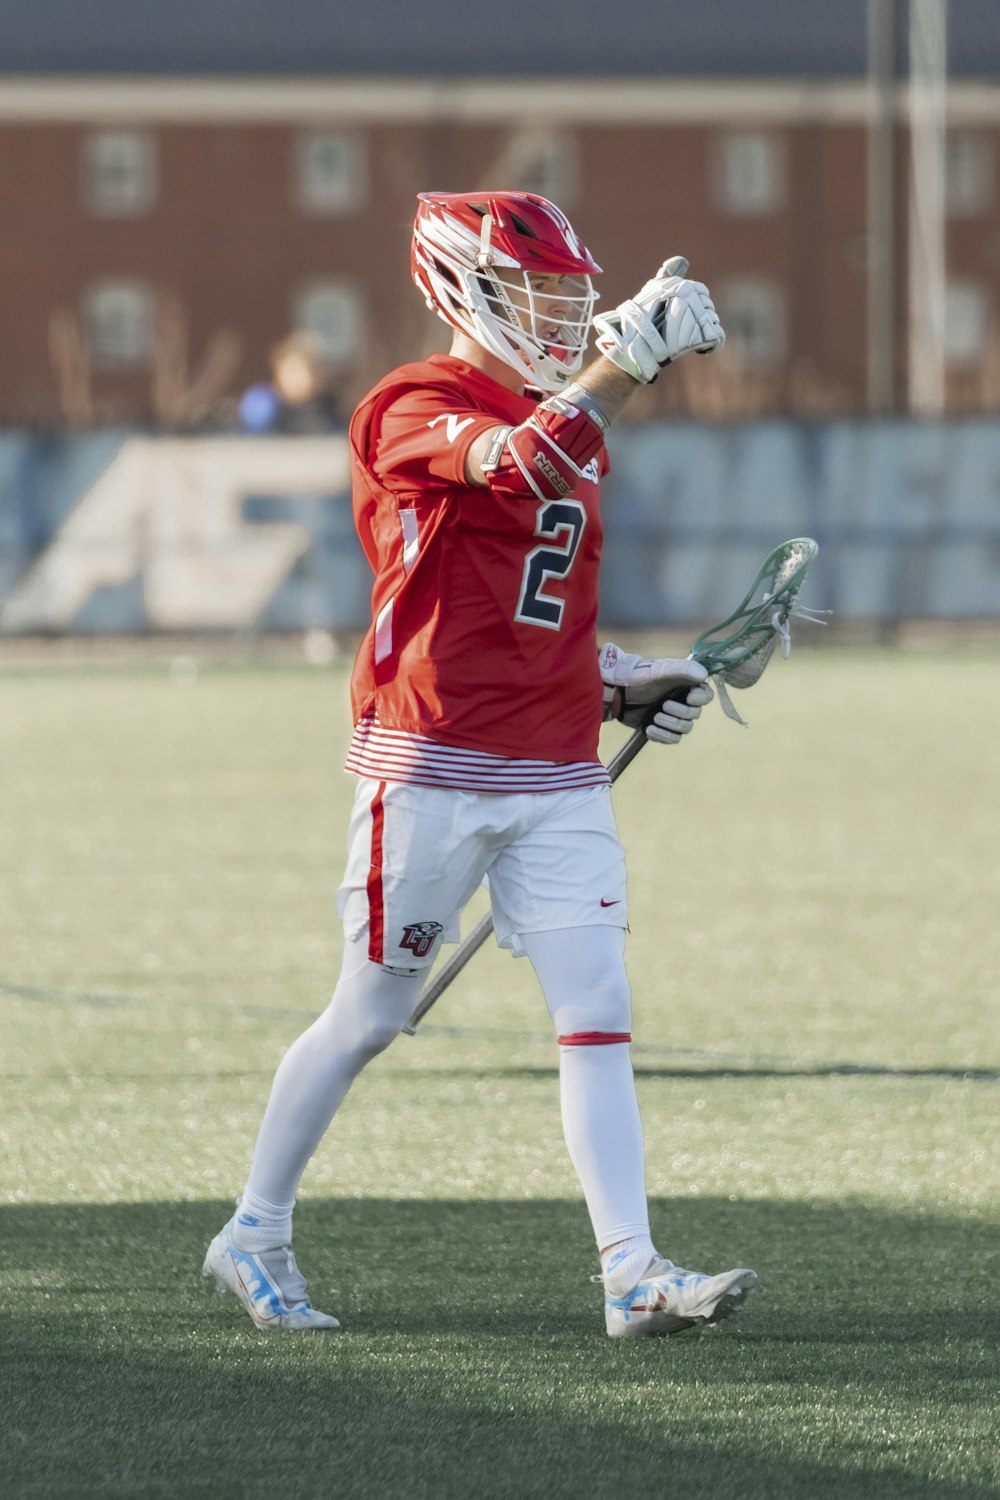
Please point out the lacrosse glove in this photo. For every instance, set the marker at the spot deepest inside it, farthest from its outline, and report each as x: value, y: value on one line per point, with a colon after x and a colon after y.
x: 633, y: 684
x: 668, y: 318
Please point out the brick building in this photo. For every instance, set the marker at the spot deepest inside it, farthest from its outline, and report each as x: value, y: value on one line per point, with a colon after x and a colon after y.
x: 183, y: 187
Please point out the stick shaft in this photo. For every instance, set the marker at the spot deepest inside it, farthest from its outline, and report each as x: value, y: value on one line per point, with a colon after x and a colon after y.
x: 471, y: 944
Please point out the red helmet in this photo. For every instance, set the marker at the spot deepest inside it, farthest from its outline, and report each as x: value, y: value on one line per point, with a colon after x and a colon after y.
x: 474, y: 255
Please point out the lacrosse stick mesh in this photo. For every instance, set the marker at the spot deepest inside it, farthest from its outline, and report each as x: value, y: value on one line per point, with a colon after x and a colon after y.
x: 736, y: 651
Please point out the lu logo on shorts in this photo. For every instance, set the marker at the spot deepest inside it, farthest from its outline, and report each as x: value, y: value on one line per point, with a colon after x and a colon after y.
x: 419, y: 937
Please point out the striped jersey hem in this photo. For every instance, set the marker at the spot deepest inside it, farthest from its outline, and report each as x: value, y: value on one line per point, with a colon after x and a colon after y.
x: 400, y: 755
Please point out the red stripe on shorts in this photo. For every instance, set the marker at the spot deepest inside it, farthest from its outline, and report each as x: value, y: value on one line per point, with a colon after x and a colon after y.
x: 376, y: 905
x: 594, y: 1038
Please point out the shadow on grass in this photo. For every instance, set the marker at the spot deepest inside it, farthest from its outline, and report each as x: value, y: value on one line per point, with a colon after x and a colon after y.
x: 705, y: 1064
x: 741, y: 1068
x: 476, y: 1366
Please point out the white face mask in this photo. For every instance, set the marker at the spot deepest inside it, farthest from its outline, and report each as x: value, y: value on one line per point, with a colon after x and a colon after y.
x: 537, y: 323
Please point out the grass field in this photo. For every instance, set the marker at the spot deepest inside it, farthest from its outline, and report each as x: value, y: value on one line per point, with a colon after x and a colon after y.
x: 815, y: 960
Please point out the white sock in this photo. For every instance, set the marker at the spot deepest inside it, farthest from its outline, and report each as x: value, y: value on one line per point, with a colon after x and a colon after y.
x: 604, y: 1137
x: 582, y: 974
x: 259, y: 1225
x: 622, y: 1265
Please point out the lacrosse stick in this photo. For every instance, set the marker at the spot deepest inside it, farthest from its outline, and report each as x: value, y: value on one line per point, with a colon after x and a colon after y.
x: 734, y: 653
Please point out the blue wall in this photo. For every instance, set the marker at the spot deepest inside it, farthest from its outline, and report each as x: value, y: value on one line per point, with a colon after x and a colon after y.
x: 125, y: 532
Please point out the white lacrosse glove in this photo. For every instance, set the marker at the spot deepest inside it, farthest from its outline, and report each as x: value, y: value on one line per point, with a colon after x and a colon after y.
x: 632, y: 684
x: 669, y: 317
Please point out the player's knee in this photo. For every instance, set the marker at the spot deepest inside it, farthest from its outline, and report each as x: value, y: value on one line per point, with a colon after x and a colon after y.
x: 378, y: 1034
x: 605, y: 1004
x: 370, y: 1008
x: 397, y: 994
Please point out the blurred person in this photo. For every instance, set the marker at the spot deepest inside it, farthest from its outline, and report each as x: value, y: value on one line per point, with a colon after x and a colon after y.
x: 297, y: 397
x: 478, y: 694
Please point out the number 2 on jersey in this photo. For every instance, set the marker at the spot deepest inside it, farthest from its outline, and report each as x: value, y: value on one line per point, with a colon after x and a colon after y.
x: 561, y: 524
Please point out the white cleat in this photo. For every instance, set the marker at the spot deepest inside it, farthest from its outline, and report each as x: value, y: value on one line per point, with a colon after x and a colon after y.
x: 666, y: 1299
x: 269, y: 1284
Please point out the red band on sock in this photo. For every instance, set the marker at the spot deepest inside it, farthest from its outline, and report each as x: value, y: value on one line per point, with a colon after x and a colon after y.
x: 594, y: 1038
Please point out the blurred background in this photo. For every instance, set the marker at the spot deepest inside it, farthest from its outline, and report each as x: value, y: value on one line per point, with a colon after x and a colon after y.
x: 204, y: 264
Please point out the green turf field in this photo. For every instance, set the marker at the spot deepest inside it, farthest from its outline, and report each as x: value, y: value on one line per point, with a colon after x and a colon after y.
x: 815, y: 960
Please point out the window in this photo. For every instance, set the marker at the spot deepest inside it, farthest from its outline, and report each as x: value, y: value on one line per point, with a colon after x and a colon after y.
x: 750, y: 172
x: 331, y: 312
x: 119, y: 320
x: 545, y: 162
x: 966, y: 323
x: 753, y: 315
x: 119, y: 173
x: 330, y: 172
x: 968, y: 172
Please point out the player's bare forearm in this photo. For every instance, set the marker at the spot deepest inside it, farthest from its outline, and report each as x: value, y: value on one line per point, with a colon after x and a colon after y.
x: 612, y: 387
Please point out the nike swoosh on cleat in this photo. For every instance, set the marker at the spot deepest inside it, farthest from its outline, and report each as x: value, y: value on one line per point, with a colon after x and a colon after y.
x: 610, y: 903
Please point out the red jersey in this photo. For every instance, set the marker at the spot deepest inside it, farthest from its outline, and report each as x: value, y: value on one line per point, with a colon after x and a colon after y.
x: 484, y: 608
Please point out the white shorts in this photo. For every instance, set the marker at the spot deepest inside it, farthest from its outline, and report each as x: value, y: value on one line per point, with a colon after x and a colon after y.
x: 416, y: 854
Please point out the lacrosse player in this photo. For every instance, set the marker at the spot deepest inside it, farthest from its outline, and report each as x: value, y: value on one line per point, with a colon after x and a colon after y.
x: 478, y: 694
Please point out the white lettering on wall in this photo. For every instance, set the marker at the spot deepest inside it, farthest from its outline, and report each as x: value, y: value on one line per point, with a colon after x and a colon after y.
x: 170, y: 510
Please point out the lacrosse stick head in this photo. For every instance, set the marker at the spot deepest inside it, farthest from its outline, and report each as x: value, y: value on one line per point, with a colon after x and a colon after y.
x: 736, y: 651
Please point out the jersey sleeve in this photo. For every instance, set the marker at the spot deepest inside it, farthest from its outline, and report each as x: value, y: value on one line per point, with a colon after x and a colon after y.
x: 423, y: 440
